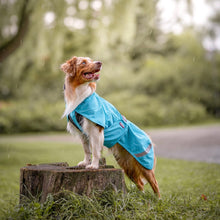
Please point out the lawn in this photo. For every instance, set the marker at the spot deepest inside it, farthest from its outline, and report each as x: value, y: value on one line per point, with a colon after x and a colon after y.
x: 189, y: 190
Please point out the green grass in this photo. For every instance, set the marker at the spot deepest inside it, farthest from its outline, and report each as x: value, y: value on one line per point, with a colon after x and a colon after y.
x: 182, y: 185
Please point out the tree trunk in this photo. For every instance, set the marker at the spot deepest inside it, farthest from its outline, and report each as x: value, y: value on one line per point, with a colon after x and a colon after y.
x: 9, y: 47
x: 37, y: 181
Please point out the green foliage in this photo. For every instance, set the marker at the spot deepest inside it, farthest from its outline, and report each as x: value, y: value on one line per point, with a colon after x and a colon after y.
x: 133, y: 205
x: 145, y: 110
x: 153, y: 78
x: 32, y: 116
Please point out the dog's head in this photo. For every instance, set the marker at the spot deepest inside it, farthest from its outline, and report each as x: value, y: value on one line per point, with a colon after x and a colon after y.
x: 82, y: 69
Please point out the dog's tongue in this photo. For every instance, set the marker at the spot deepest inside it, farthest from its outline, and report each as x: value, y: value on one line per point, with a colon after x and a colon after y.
x: 89, y: 75
x: 96, y: 77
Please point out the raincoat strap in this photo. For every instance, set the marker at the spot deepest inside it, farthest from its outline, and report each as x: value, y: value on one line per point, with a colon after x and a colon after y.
x: 78, y: 118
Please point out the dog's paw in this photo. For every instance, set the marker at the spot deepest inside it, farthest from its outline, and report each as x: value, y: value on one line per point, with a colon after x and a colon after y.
x: 83, y: 163
x: 91, y: 166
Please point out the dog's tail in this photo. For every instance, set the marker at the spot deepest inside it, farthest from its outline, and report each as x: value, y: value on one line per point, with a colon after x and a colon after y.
x: 155, y: 159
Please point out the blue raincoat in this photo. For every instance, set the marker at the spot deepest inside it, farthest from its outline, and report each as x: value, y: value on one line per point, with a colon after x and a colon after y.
x: 116, y: 128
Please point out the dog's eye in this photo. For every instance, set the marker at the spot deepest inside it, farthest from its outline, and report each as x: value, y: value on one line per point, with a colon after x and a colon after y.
x: 84, y: 62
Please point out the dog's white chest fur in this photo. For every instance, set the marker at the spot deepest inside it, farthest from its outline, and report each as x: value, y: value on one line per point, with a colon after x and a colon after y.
x: 81, y: 92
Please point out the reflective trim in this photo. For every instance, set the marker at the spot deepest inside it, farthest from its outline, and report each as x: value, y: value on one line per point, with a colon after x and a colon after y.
x: 121, y: 125
x: 145, y: 152
x: 124, y: 119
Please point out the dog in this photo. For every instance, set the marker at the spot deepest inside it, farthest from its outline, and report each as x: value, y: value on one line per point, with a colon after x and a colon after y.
x: 99, y: 124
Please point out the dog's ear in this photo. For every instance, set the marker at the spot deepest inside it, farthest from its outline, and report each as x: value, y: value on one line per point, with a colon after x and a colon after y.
x: 70, y: 66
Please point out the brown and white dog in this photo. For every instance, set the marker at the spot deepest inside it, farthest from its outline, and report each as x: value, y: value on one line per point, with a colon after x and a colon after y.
x: 81, y: 74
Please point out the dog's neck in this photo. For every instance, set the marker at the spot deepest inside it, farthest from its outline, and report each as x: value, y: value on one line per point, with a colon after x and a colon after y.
x: 75, y: 95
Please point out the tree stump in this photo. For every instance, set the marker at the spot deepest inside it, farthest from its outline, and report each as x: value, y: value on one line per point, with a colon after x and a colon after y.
x: 38, y: 181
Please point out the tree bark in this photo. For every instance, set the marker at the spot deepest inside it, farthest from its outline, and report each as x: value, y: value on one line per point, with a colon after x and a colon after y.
x: 37, y: 181
x: 10, y: 46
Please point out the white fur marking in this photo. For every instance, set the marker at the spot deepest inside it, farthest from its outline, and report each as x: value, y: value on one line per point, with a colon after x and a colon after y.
x: 144, y: 180
x: 81, y: 92
x: 96, y: 140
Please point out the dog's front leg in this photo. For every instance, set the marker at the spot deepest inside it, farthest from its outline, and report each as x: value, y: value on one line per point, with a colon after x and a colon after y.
x: 96, y: 140
x: 87, y: 151
x: 96, y: 143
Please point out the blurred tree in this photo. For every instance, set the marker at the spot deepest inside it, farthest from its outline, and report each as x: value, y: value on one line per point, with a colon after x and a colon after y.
x: 17, y: 31
x: 213, y: 27
x: 146, y: 32
x: 141, y: 63
x: 211, y: 34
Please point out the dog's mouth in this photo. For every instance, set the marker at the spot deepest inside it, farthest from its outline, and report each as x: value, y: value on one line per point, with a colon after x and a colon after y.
x: 92, y: 75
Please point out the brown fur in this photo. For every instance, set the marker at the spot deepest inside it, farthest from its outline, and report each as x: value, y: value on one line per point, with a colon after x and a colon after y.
x: 135, y: 171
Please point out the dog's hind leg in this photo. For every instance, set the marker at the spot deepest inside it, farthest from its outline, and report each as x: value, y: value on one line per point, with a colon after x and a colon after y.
x: 130, y: 166
x: 150, y: 177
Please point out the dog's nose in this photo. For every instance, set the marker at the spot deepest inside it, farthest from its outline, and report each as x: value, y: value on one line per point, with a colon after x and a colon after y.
x: 98, y: 63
